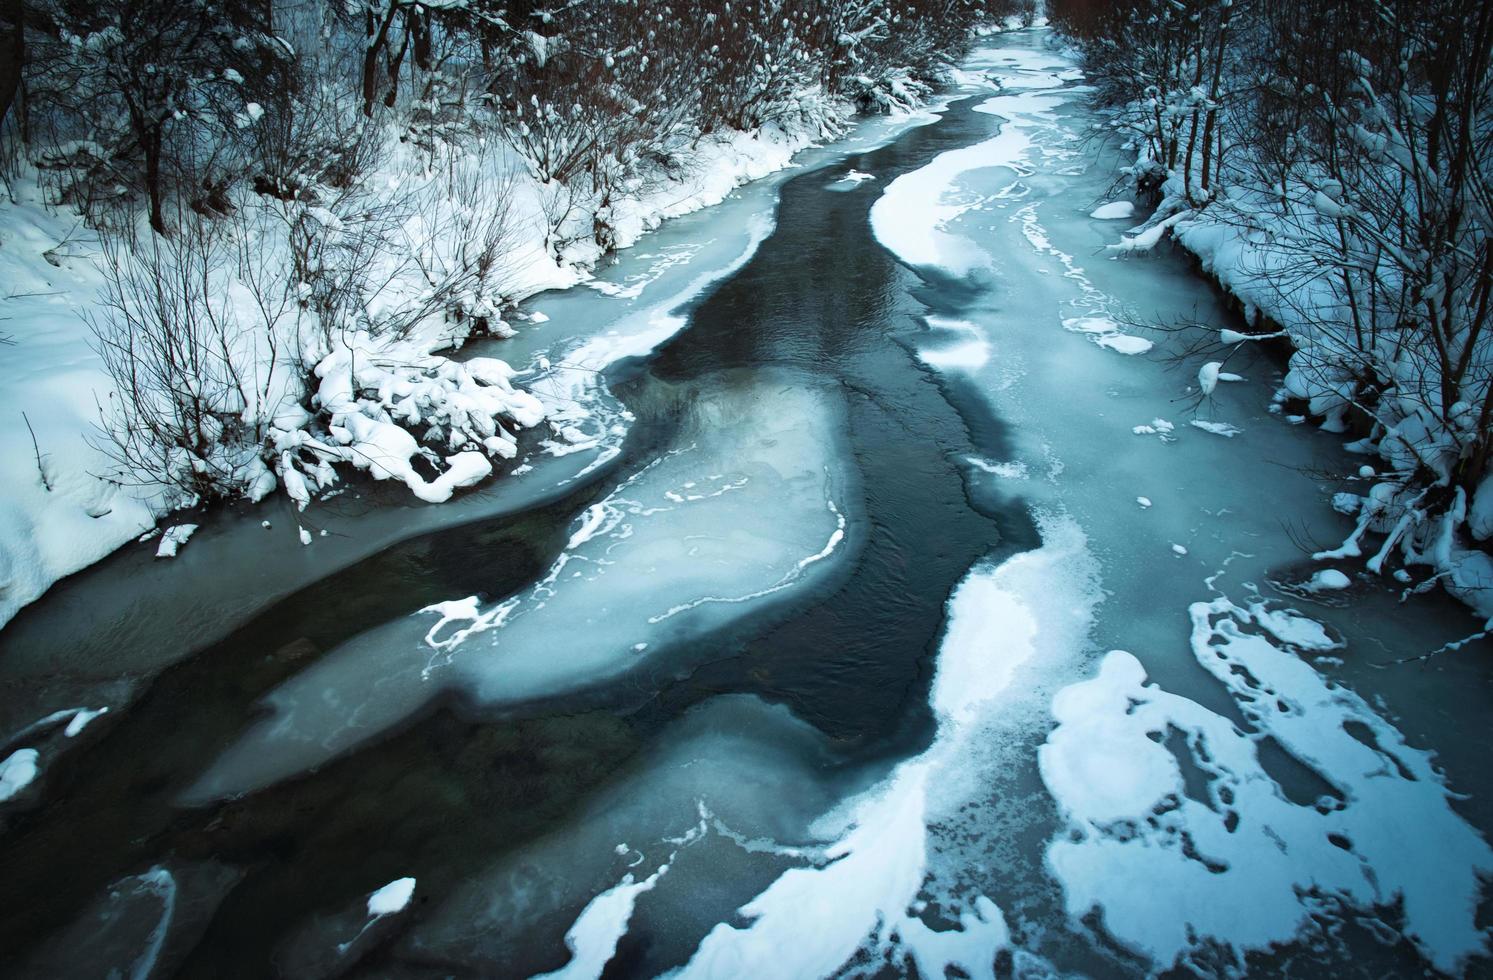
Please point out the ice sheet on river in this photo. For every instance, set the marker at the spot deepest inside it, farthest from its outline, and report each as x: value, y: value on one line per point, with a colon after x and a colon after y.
x: 750, y: 503
x: 1034, y: 610
x: 1219, y: 852
x: 911, y: 217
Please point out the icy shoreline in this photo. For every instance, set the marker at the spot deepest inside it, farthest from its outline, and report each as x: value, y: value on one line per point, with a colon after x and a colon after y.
x: 61, y: 516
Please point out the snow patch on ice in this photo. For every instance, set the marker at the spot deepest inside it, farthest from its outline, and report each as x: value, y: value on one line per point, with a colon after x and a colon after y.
x: 968, y: 350
x: 1217, y: 428
x: 1107, y: 333
x: 911, y: 216
x: 1245, y: 866
x: 1113, y: 211
x: 1010, y: 470
x: 810, y: 921
x: 17, y: 772
x: 392, y: 897
x: 593, y: 939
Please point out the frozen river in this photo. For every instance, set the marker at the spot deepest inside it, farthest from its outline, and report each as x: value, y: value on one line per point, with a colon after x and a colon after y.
x: 883, y: 610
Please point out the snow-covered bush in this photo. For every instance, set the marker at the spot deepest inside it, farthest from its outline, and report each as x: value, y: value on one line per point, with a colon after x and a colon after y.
x: 302, y: 332
x: 146, y: 95
x: 194, y: 368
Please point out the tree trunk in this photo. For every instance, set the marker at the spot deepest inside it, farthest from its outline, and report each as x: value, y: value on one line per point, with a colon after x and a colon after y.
x: 378, y: 39
x: 15, y: 56
x: 152, y: 146
x: 1214, y: 91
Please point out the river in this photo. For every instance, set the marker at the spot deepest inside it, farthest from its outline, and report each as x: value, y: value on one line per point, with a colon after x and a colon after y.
x: 793, y: 656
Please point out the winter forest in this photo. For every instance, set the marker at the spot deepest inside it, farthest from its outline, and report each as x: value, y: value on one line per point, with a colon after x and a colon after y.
x: 746, y: 488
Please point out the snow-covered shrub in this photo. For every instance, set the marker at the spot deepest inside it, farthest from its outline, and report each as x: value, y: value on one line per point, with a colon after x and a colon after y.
x: 388, y: 408
x: 193, y: 351
x: 303, y: 332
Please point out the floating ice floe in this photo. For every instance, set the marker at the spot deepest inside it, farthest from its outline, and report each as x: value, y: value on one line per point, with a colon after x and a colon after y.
x: 391, y: 898
x: 852, y: 179
x: 1156, y: 427
x: 17, y: 772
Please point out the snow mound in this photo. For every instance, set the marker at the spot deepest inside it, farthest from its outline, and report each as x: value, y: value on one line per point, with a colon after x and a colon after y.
x: 1113, y: 211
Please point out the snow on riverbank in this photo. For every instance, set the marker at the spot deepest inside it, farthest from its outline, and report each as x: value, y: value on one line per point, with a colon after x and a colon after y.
x: 1322, y: 273
x: 1182, y: 836
x: 375, y: 398
x: 56, y: 515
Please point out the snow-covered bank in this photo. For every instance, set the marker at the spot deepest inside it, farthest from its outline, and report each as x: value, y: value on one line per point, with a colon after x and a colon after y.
x: 375, y: 399
x: 1332, y: 174
x: 56, y: 515
x: 1420, y: 451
